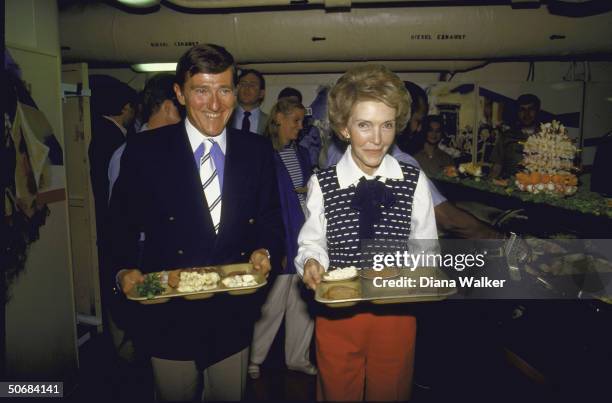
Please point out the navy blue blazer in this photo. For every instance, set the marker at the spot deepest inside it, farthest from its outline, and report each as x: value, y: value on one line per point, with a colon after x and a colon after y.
x: 159, y: 192
x: 106, y: 137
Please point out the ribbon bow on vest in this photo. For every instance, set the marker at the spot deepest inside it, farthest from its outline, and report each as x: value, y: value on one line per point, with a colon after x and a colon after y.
x: 369, y: 199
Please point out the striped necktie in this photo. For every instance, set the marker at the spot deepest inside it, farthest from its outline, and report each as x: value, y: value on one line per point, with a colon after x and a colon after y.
x: 210, y: 183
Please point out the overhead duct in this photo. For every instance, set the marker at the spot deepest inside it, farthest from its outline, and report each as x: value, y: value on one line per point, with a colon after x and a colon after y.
x: 572, y: 8
x: 98, y: 32
x: 336, y: 67
x: 330, y: 4
x: 267, y: 3
x: 340, y: 67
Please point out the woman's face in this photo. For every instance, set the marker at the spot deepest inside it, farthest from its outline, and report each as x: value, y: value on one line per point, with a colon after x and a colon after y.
x: 289, y: 125
x: 371, y: 131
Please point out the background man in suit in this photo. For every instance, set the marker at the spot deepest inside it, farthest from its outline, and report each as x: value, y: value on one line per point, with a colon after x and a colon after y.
x: 159, y: 108
x: 113, y: 110
x: 203, y: 194
x: 248, y: 117
x: 113, y: 105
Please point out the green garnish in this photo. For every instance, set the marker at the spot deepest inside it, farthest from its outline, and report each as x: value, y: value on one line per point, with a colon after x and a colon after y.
x: 583, y: 200
x: 151, y: 286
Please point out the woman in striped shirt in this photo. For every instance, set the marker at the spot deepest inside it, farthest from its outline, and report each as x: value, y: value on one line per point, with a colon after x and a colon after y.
x: 293, y: 170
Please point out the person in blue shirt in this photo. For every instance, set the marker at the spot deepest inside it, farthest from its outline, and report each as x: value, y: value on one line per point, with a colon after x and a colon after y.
x: 248, y: 116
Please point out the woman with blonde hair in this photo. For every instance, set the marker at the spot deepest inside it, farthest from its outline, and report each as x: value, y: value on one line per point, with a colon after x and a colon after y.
x: 364, y: 353
x: 292, y: 170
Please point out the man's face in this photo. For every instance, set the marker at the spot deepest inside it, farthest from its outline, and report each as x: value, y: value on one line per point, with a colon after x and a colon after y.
x: 434, y: 133
x: 209, y: 100
x: 250, y: 93
x: 527, y: 114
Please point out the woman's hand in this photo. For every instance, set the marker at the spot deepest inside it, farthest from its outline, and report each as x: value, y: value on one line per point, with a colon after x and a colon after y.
x: 312, y: 273
x: 128, y: 278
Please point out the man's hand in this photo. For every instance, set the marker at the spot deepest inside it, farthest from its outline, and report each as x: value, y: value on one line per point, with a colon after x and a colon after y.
x: 312, y: 273
x: 260, y: 261
x: 128, y: 278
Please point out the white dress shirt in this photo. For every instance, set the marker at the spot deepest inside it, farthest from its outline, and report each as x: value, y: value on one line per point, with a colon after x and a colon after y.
x: 312, y: 239
x: 196, y: 137
x: 253, y: 119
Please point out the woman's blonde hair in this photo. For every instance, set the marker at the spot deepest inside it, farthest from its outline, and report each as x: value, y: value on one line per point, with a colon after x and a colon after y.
x: 284, y: 106
x: 367, y: 83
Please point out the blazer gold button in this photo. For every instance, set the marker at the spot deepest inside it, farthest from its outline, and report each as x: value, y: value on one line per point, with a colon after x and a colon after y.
x: 180, y: 251
x: 171, y: 218
x: 251, y: 221
x: 242, y: 253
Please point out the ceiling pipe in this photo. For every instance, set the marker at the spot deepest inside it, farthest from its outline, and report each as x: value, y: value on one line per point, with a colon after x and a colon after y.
x: 399, y: 66
x: 329, y: 4
x: 99, y: 33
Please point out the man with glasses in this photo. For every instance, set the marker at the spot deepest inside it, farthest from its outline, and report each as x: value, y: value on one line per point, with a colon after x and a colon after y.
x: 248, y: 116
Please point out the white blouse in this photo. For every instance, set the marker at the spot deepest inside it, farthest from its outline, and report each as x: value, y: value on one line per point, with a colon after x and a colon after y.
x: 312, y: 239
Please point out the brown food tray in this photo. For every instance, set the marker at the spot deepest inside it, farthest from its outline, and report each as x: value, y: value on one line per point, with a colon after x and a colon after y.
x: 223, y: 271
x: 361, y: 289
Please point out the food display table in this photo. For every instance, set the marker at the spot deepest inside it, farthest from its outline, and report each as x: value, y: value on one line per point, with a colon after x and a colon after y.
x: 584, y: 214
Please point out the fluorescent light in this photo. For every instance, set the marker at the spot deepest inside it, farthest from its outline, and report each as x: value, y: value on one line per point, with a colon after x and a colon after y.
x: 139, y: 3
x: 150, y: 67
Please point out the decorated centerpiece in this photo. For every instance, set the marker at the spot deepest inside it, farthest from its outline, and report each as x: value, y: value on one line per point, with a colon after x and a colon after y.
x: 465, y: 170
x: 471, y: 169
x: 548, y: 159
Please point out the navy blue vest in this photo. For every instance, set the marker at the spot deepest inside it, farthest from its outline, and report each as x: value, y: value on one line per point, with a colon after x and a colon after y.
x: 343, y: 243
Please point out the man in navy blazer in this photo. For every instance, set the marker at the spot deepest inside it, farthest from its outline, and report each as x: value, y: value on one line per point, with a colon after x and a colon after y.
x: 160, y: 192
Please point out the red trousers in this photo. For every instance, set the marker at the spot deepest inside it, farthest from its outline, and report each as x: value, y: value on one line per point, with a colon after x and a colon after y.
x: 365, y: 357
